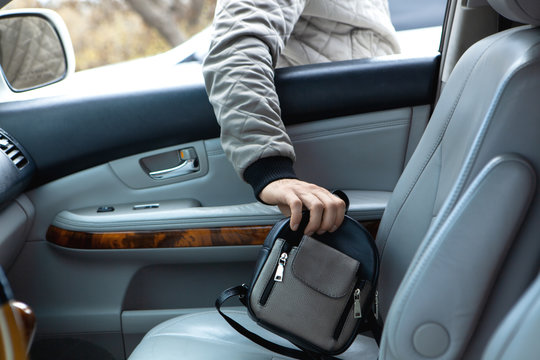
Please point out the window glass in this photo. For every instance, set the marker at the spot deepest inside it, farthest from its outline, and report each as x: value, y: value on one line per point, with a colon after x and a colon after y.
x: 111, y: 31
x: 414, y: 14
x: 418, y: 24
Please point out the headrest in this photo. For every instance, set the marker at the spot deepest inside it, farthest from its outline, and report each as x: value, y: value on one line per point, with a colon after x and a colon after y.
x: 523, y: 11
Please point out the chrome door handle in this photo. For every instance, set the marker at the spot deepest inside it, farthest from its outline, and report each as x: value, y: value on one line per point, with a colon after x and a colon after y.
x: 189, y: 164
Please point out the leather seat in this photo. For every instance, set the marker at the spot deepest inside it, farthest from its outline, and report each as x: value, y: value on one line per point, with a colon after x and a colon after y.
x: 517, y: 336
x: 459, y: 237
x: 207, y: 336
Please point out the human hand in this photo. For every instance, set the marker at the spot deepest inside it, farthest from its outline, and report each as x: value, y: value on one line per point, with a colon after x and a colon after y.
x: 291, y: 196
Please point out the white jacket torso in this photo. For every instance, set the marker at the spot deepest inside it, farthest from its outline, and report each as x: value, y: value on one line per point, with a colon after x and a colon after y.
x: 333, y: 30
x: 252, y: 37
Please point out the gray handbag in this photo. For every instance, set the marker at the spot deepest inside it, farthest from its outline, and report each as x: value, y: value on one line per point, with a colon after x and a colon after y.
x: 314, y: 291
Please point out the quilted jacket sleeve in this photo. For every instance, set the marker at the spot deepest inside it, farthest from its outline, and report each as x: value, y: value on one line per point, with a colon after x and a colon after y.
x: 248, y: 38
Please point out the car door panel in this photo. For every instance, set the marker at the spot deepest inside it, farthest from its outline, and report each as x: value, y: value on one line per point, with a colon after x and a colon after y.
x: 133, y: 172
x: 82, y: 130
x: 354, y: 126
x: 15, y: 222
x: 81, y: 294
x: 322, y: 147
x: 372, y: 147
x: 180, y: 215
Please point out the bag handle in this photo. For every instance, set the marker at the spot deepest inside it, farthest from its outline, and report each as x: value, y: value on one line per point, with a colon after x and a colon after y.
x: 299, y: 233
x: 341, y: 194
x: 241, y: 291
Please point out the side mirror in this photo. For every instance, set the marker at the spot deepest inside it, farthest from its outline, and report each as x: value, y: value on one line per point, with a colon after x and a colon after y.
x: 35, y: 49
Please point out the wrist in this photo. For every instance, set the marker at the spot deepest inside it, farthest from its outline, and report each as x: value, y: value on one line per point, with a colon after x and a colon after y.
x: 266, y: 170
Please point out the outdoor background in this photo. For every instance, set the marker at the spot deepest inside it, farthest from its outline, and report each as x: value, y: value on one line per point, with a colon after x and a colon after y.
x: 110, y: 31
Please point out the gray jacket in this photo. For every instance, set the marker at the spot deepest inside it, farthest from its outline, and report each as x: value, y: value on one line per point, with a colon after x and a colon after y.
x: 253, y: 37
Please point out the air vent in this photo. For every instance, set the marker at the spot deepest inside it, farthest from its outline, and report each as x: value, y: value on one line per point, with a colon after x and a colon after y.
x: 12, y: 152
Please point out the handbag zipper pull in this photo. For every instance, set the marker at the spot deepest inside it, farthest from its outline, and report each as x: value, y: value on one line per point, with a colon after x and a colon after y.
x: 357, y: 311
x: 281, y: 267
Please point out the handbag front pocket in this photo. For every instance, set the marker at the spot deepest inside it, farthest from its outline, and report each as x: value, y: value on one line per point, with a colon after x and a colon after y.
x: 306, y: 290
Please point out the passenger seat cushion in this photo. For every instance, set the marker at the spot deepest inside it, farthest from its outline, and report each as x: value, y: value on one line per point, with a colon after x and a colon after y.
x: 207, y: 336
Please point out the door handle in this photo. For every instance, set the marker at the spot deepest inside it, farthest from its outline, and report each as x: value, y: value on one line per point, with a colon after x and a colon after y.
x: 189, y: 163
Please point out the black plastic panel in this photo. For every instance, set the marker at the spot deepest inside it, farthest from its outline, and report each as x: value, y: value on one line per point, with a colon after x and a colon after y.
x: 16, y: 168
x: 75, y: 133
x: 67, y: 134
x: 316, y: 92
x: 5, y: 290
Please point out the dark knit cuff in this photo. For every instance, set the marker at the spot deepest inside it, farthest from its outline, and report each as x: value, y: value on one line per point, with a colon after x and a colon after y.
x: 266, y: 170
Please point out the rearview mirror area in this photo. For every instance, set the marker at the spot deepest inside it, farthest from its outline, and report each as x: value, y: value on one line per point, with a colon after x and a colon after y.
x: 33, y: 49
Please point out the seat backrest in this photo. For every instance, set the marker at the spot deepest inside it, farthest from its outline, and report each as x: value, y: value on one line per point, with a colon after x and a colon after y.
x: 458, y: 237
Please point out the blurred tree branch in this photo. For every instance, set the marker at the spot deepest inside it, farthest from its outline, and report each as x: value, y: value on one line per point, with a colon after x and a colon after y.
x: 111, y: 31
x: 161, y: 15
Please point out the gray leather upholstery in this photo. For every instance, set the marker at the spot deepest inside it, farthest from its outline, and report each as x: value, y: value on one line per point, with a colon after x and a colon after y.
x: 517, y: 336
x: 458, y: 239
x: 207, y: 336
x: 523, y: 11
x: 442, y: 296
x: 187, y: 213
x: 479, y: 117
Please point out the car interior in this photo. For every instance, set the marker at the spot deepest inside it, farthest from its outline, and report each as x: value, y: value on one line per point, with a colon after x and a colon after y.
x: 121, y: 219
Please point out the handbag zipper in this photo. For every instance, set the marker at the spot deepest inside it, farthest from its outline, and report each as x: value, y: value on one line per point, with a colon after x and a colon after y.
x: 357, y: 312
x: 278, y: 273
x: 278, y: 276
x: 355, y: 303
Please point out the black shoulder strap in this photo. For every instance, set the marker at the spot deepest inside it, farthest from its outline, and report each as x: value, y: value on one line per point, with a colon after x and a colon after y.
x: 242, y: 291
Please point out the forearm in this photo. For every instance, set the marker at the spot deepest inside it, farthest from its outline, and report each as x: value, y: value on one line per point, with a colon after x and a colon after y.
x: 239, y: 75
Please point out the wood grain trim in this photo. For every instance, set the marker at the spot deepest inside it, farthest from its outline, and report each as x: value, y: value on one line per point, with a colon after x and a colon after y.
x: 225, y: 236
x: 12, y: 342
x: 27, y: 324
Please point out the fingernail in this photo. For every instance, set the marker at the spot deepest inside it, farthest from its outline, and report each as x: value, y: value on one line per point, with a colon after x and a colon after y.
x: 310, y: 233
x: 294, y: 227
x: 334, y: 228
